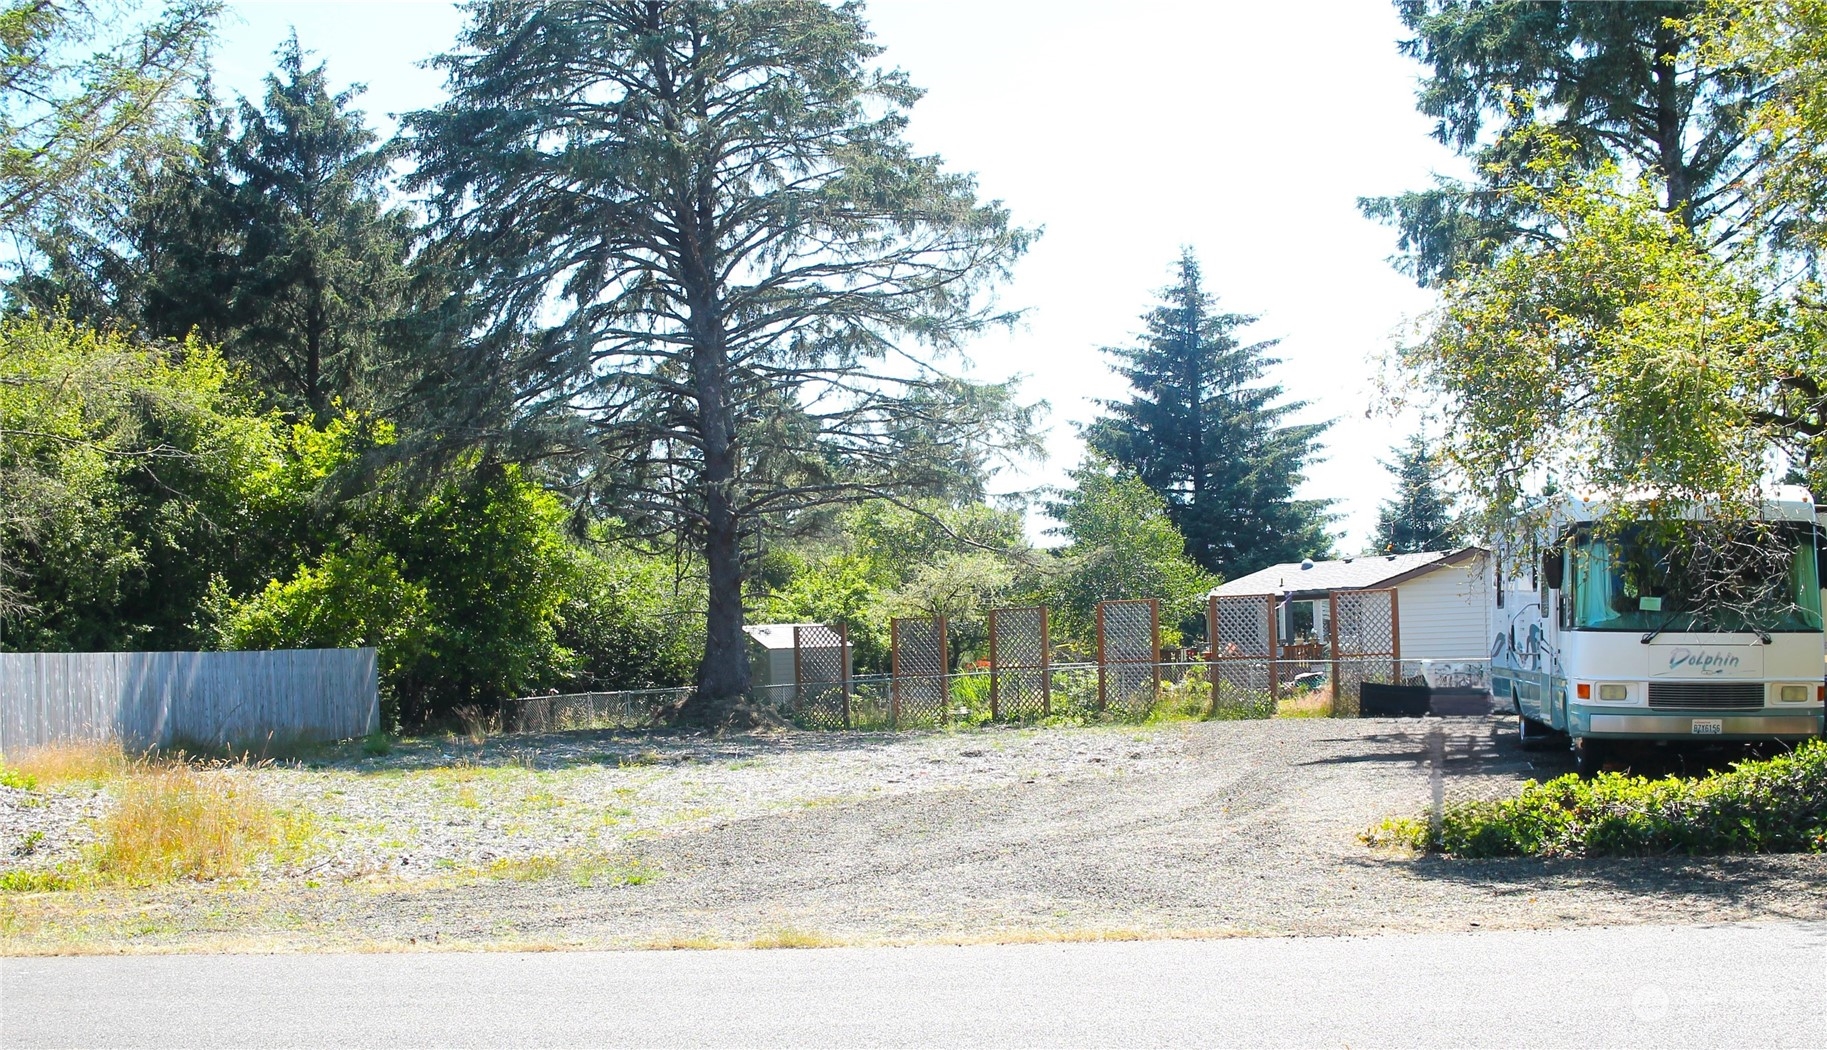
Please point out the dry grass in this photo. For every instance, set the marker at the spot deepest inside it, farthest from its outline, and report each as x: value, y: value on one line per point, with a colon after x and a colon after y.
x: 1045, y: 936
x: 478, y: 725
x: 170, y: 823
x: 685, y: 944
x: 792, y: 937
x: 523, y: 869
x: 1315, y: 704
x: 73, y: 763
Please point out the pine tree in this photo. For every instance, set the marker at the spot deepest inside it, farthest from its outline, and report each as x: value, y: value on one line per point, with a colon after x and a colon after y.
x: 270, y: 236
x: 321, y: 269
x: 1206, y: 434
x: 1420, y: 518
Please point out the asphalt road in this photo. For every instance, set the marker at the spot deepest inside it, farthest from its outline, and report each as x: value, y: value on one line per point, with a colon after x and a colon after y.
x: 1756, y: 985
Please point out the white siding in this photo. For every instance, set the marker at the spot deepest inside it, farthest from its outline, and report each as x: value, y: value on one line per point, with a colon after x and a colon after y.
x: 1446, y: 613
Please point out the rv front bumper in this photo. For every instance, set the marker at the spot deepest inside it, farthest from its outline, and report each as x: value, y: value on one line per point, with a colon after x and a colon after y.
x: 1699, y: 725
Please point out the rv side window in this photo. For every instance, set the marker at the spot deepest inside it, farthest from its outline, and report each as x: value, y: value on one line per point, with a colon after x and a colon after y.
x: 1498, y: 560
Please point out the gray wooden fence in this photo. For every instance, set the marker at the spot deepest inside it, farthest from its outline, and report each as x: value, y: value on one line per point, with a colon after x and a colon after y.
x: 241, y: 699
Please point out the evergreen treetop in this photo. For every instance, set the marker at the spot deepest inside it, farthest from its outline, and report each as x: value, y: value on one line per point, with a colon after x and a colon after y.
x: 1204, y: 431
x: 1420, y: 518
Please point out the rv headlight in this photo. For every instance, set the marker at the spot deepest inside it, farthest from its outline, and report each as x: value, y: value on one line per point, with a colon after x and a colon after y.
x: 1614, y: 691
x: 1793, y: 694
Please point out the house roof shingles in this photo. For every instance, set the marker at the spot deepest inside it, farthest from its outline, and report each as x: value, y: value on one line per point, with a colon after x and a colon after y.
x: 1344, y: 574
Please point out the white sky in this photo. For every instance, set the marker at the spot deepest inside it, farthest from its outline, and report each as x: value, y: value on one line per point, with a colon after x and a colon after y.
x: 1246, y: 130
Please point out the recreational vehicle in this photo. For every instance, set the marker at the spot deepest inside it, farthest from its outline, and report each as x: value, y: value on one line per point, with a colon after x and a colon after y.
x: 1608, y: 632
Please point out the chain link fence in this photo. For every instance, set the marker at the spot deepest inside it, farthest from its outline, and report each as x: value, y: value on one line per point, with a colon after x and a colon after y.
x: 1196, y: 689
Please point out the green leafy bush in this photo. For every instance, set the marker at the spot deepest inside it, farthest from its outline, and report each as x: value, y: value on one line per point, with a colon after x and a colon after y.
x: 1777, y: 805
x: 17, y: 778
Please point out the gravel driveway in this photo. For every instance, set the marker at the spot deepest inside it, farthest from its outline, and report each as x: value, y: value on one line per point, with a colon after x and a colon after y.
x: 606, y: 840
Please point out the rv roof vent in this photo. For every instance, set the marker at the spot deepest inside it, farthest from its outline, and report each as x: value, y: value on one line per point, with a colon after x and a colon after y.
x: 1306, y: 563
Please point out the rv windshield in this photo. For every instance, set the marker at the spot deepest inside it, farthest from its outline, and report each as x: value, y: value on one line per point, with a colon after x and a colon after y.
x: 1628, y: 581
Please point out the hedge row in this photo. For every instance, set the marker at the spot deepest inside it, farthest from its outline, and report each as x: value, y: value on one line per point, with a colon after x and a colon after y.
x: 1776, y: 805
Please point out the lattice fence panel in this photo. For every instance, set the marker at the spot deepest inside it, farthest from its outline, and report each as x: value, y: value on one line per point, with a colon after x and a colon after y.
x: 821, y: 676
x: 1129, y: 654
x: 919, y: 687
x: 1365, y: 645
x: 1242, y: 629
x: 1020, y: 661
x: 1242, y: 626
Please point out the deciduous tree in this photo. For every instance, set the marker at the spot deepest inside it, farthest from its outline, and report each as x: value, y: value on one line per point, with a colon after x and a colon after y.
x: 1622, y: 82
x: 1620, y: 356
x: 1121, y: 544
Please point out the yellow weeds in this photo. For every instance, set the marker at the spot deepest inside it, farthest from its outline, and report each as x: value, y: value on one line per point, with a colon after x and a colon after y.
x: 169, y: 823
x: 792, y: 937
x: 1315, y: 704
x: 74, y: 763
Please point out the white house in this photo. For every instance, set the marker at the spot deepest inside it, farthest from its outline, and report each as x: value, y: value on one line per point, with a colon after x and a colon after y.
x: 1443, y: 598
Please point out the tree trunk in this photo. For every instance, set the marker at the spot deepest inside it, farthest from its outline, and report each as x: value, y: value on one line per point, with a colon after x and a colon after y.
x: 723, y: 676
x: 722, y: 684
x: 1670, y: 120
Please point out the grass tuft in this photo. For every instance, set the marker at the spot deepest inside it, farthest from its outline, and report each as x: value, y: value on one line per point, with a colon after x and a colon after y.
x: 478, y: 723
x: 73, y: 763
x: 171, y: 824
x: 614, y: 871
x: 793, y: 937
x: 20, y: 881
x: 1316, y: 703
x: 17, y: 778
x: 524, y: 869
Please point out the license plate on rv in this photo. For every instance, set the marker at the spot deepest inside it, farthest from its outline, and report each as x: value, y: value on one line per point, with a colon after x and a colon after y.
x: 1708, y: 727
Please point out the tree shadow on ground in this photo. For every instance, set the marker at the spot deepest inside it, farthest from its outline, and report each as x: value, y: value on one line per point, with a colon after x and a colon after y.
x: 1774, y: 886
x: 1495, y: 743
x: 622, y: 748
x: 1481, y: 747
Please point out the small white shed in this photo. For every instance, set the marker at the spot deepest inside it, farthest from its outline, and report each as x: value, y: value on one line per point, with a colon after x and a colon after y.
x: 1443, y: 598
x: 771, y: 657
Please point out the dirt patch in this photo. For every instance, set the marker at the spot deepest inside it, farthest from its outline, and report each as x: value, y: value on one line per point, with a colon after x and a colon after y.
x: 627, y: 840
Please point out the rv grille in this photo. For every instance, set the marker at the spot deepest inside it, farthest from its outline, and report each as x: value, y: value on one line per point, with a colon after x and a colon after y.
x: 1711, y: 696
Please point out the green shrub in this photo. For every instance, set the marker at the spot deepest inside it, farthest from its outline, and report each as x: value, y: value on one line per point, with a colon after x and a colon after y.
x: 17, y: 778
x: 1189, y: 698
x: 22, y: 881
x: 1777, y: 805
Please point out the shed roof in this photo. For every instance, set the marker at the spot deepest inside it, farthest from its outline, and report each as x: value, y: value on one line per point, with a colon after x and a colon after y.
x: 1343, y: 574
x: 774, y: 635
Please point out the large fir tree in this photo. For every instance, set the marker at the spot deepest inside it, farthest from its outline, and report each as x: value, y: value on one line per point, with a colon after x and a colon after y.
x: 1203, y: 431
x: 697, y: 250
x: 1420, y: 518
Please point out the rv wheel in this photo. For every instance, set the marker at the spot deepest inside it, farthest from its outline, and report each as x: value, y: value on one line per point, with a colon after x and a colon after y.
x: 1532, y: 735
x: 1589, y: 757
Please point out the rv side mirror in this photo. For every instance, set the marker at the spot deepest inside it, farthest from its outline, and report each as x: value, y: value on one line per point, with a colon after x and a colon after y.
x: 1553, y: 562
